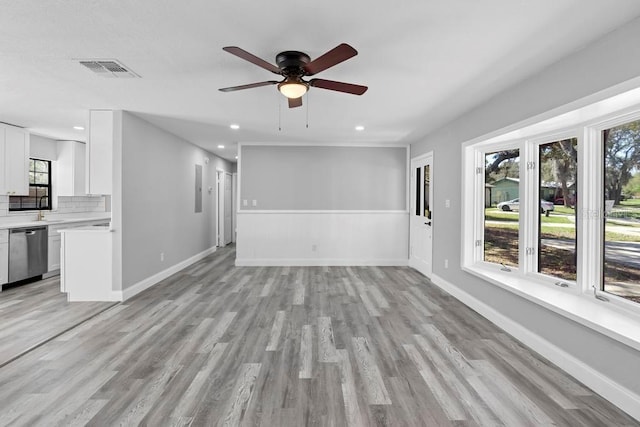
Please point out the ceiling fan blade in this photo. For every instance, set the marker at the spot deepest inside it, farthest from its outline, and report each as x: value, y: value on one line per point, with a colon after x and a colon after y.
x: 249, y: 86
x: 295, y: 102
x: 335, y: 56
x: 241, y: 53
x: 338, y: 86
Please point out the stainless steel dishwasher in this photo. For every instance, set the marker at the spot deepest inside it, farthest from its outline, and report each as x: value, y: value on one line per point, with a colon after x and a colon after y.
x: 27, y: 252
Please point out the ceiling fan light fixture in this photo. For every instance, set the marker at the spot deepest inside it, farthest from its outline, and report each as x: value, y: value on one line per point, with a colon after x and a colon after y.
x: 293, y: 89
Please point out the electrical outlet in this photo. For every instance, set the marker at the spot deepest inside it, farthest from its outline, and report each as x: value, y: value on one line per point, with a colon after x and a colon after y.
x: 161, y: 256
x: 245, y: 202
x: 254, y: 203
x: 446, y: 263
x: 314, y: 248
x: 447, y: 203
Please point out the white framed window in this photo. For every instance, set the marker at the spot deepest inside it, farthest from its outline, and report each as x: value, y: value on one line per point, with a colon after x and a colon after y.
x: 617, y: 147
x: 552, y: 211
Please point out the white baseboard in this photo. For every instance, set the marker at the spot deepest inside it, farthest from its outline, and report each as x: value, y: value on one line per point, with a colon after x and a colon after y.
x: 51, y: 273
x: 320, y: 262
x: 152, y: 280
x: 617, y: 394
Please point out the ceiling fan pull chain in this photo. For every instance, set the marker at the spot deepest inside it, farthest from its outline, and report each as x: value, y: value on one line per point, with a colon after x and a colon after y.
x: 279, y: 115
x: 307, y: 110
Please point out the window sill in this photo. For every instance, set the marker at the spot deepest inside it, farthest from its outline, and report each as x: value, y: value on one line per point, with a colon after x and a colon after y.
x: 607, y: 318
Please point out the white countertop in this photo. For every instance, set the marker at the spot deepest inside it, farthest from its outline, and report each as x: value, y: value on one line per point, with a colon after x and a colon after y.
x: 53, y: 220
x: 91, y: 228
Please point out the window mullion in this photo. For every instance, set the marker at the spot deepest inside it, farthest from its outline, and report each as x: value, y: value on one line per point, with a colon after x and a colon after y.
x: 528, y: 217
x: 590, y: 206
x: 478, y: 162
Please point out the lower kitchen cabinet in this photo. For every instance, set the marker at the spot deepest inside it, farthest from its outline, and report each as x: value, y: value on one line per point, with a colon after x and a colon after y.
x: 53, y: 263
x: 86, y: 264
x: 55, y: 241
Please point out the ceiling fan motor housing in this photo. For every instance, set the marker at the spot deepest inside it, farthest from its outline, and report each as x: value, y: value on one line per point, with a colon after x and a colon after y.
x: 291, y: 62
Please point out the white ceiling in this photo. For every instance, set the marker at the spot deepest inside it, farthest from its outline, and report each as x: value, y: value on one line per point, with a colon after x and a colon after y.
x: 425, y: 62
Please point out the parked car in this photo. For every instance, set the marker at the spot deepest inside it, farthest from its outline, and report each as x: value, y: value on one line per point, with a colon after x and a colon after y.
x: 560, y: 201
x: 546, y: 207
x: 509, y: 205
x: 514, y: 205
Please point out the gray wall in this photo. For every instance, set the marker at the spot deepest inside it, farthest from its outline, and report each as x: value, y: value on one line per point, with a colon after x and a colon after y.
x: 158, y: 200
x: 323, y: 178
x: 611, y: 61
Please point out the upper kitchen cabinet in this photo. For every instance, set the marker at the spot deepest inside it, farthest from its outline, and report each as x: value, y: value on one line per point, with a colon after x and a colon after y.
x: 105, y: 129
x: 71, y: 168
x: 14, y: 159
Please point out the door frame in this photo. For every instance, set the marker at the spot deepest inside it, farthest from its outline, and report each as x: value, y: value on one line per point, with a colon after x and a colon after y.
x: 234, y: 206
x: 228, y: 178
x: 412, y: 191
x: 220, y: 207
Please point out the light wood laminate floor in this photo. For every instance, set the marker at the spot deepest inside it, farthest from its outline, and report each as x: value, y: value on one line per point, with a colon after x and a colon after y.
x: 34, y: 312
x: 292, y: 346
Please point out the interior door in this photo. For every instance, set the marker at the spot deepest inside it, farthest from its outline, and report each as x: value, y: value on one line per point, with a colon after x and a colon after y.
x: 228, y: 228
x: 421, y: 233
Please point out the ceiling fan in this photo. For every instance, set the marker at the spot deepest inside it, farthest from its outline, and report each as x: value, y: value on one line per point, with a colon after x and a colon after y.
x: 293, y: 66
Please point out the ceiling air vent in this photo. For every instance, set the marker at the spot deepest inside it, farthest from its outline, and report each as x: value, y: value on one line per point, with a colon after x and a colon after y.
x: 108, y: 68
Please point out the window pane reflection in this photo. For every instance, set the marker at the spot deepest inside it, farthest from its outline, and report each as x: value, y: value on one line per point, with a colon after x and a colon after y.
x: 621, y: 254
x: 501, y: 216
x: 427, y: 180
x: 557, y: 221
x: 418, y: 200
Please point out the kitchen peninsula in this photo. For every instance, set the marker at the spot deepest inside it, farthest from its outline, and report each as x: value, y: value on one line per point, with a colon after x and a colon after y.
x: 85, y: 263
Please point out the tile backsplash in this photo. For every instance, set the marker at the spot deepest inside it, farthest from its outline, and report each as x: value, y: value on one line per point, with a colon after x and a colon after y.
x: 66, y: 205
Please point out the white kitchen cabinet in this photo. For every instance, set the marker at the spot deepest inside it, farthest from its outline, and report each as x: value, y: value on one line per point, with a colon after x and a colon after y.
x: 14, y: 159
x: 4, y: 257
x: 86, y: 264
x: 53, y: 253
x: 55, y: 240
x: 71, y: 170
x: 105, y: 128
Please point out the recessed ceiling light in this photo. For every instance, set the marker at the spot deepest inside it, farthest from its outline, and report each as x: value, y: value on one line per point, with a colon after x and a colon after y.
x: 78, y: 128
x: 359, y: 128
x: 234, y: 126
x: 220, y: 146
x: 236, y: 157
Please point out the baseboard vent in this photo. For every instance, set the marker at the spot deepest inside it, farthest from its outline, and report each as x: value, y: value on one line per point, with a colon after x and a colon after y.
x: 109, y: 68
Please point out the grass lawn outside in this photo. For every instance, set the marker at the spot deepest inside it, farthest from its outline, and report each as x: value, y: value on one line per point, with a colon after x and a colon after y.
x: 631, y: 203
x: 510, y: 220
x: 501, y: 245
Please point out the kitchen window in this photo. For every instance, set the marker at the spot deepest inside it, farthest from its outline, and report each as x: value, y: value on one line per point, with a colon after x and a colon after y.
x: 39, y: 197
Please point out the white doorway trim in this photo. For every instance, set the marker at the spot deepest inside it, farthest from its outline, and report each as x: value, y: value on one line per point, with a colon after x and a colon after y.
x: 224, y: 208
x: 219, y: 207
x: 227, y: 209
x: 234, y: 201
